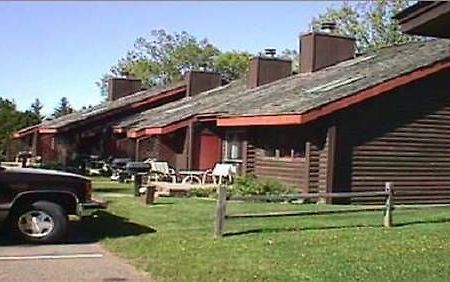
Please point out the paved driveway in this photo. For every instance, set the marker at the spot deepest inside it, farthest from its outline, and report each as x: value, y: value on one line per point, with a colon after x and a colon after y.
x: 79, y: 259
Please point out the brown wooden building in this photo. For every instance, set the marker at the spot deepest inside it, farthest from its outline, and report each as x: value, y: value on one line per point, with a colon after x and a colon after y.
x: 90, y: 132
x: 426, y: 18
x: 383, y: 116
x: 351, y: 127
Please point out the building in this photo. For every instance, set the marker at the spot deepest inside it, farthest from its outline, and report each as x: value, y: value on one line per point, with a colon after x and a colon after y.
x: 426, y: 18
x: 90, y: 132
x: 351, y: 126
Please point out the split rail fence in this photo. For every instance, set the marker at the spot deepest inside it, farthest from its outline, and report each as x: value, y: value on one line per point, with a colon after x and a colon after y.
x: 221, y: 214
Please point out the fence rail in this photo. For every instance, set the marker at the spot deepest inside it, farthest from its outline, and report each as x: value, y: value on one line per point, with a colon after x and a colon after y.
x: 221, y: 215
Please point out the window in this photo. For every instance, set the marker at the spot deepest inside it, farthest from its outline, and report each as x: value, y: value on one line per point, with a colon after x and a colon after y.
x: 284, y: 146
x: 233, y: 146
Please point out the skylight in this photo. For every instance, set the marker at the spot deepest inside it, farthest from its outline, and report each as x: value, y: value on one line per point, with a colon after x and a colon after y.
x: 179, y: 108
x: 356, y: 61
x: 334, y: 84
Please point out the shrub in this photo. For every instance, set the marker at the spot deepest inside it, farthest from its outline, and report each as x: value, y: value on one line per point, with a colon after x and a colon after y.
x: 202, y: 192
x: 250, y: 185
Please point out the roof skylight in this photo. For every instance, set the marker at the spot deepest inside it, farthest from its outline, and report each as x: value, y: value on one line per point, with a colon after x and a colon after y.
x: 334, y: 84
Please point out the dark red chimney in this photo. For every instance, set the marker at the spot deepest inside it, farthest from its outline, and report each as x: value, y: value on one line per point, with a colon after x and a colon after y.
x: 264, y: 69
x: 322, y: 49
x: 199, y: 81
x: 121, y: 87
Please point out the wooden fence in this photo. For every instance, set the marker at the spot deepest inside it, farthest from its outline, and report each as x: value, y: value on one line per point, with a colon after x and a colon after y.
x: 221, y: 214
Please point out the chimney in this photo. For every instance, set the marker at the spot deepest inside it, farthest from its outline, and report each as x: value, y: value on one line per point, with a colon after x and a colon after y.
x: 199, y: 81
x: 121, y: 87
x: 322, y: 49
x: 265, y: 69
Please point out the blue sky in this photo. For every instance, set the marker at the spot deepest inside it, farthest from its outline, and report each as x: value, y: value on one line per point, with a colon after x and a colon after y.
x: 54, y: 49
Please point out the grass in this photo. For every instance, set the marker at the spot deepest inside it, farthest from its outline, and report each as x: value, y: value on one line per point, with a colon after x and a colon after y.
x: 172, y: 240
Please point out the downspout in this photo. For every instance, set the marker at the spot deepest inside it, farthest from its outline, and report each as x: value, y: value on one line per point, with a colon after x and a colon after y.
x: 190, y: 145
x: 34, y: 143
x: 136, y: 153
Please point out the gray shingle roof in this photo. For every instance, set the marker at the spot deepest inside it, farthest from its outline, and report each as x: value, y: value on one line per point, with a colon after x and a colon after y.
x: 107, y: 107
x: 204, y: 102
x: 299, y: 93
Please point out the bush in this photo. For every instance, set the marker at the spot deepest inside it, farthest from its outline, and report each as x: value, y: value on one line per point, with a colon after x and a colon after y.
x: 244, y: 186
x: 202, y: 192
x: 250, y: 185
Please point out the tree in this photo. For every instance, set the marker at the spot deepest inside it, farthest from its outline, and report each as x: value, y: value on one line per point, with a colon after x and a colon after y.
x: 232, y: 65
x: 63, y: 108
x: 370, y: 22
x: 291, y: 54
x: 12, y: 120
x: 36, y: 108
x: 164, y: 58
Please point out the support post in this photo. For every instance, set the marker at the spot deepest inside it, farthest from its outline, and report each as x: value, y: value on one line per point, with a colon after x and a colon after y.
x: 389, y: 204
x: 307, y: 180
x: 220, y: 210
x: 137, y: 184
x: 190, y: 145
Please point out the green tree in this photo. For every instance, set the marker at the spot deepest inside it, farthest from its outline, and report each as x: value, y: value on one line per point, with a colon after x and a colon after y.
x: 36, y: 109
x: 232, y: 65
x: 164, y: 58
x: 12, y: 120
x: 370, y: 22
x: 291, y: 54
x: 63, y: 108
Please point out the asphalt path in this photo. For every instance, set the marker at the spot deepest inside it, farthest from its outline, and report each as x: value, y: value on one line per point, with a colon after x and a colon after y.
x: 78, y: 259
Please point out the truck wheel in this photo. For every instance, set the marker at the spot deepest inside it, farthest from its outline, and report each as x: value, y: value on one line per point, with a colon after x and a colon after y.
x: 40, y: 222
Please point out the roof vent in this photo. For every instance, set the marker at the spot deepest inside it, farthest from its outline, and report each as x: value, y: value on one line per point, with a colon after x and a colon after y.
x: 270, y: 52
x: 328, y: 27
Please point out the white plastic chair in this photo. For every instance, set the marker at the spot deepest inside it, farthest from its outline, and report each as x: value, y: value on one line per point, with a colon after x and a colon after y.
x: 161, y: 170
x: 220, y: 172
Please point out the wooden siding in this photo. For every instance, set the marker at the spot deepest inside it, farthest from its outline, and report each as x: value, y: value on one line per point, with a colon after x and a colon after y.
x: 250, y: 154
x: 404, y: 138
x: 47, y: 147
x: 314, y: 159
x: 289, y: 172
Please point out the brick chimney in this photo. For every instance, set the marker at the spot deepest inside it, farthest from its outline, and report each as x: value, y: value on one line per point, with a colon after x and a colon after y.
x: 265, y: 69
x: 121, y: 87
x: 322, y: 49
x: 199, y: 81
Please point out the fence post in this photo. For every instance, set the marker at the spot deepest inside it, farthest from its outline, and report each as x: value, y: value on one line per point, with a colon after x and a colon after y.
x: 389, y: 204
x: 220, y: 210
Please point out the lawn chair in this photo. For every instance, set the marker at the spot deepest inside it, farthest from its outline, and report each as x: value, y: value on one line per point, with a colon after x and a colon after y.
x: 220, y: 173
x: 160, y: 171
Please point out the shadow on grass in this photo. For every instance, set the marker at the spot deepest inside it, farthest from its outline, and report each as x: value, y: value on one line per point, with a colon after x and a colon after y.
x: 290, y: 229
x: 92, y: 229
x: 114, y: 190
x: 106, y: 225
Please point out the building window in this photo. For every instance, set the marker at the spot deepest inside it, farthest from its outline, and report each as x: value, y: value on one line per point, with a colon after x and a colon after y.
x: 284, y: 147
x: 233, y: 146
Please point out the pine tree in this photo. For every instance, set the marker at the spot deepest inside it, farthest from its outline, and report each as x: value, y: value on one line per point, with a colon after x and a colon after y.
x: 63, y: 108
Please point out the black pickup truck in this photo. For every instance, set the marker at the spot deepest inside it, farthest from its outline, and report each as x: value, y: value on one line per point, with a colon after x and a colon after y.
x: 35, y: 203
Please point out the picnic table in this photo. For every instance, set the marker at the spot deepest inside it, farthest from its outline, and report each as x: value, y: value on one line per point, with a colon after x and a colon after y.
x: 192, y: 176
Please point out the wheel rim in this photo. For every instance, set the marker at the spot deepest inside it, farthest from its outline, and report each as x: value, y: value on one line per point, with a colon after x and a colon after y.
x: 36, y: 224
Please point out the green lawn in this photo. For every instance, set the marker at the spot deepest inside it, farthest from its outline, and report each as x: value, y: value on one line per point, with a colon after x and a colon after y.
x: 173, y: 241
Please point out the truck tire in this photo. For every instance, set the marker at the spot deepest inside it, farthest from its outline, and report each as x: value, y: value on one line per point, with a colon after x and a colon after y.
x: 40, y: 222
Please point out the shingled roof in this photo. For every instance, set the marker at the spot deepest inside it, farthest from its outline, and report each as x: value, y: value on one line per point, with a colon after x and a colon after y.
x: 107, y: 107
x: 303, y: 92
x: 182, y: 109
x: 299, y: 93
